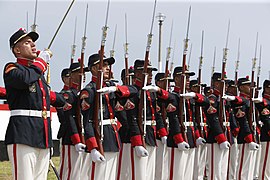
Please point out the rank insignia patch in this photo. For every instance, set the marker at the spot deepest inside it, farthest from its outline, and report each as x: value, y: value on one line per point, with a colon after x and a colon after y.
x: 118, y: 107
x: 129, y: 105
x: 240, y: 113
x: 265, y: 112
x: 211, y: 110
x: 170, y: 108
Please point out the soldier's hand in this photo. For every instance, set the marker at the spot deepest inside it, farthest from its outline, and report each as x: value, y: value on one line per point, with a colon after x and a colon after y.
x: 228, y: 97
x: 151, y: 88
x: 107, y: 90
x: 45, y: 55
x: 188, y: 95
x: 257, y: 100
x: 164, y: 140
x: 224, y: 145
x: 141, y: 151
x: 96, y: 156
x: 80, y: 147
x: 200, y: 141
x: 183, y: 146
x: 253, y: 146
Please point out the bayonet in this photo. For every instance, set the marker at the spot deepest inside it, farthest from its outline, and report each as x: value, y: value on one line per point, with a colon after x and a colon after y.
x: 237, y: 62
x: 114, y: 38
x: 73, y: 47
x: 34, y: 26
x: 127, y: 77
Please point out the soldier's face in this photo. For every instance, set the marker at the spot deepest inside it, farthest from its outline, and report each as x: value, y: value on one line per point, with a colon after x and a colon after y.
x: 267, y: 90
x: 25, y: 48
x: 139, y: 75
x: 106, y: 70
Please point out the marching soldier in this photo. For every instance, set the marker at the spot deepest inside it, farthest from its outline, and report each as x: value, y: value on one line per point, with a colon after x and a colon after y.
x: 145, y: 158
x: 71, y: 162
x: 246, y: 144
x: 263, y: 106
x: 28, y: 136
x: 103, y: 167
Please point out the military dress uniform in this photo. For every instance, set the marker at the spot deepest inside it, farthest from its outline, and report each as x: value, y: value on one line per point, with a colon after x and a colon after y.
x: 264, y: 114
x: 111, y: 142
x: 28, y: 135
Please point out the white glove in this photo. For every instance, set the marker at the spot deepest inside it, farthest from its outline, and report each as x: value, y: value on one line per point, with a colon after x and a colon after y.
x: 183, y: 146
x: 200, y: 141
x: 80, y: 147
x: 188, y: 95
x: 151, y: 88
x: 45, y: 55
x: 107, y: 90
x: 51, y: 152
x: 96, y: 156
x: 164, y: 140
x: 257, y: 100
x: 224, y: 145
x: 141, y: 151
x: 228, y: 97
x: 253, y: 146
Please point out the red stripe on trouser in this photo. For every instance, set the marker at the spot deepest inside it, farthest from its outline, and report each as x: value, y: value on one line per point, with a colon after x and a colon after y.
x: 69, y: 163
x: 93, y: 171
x: 120, y: 162
x: 15, y: 161
x: 212, y: 161
x: 241, y: 162
x: 228, y: 169
x: 62, y: 162
x: 132, y: 163
x: 172, y: 162
x: 265, y: 159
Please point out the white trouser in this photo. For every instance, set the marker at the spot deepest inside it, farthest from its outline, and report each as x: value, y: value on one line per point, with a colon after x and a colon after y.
x: 199, y: 162
x: 70, y: 163
x: 28, y: 162
x: 105, y: 170
x: 161, y: 162
x: 257, y: 162
x: 233, y: 160
x: 190, y: 164
x: 86, y: 166
x: 264, y: 171
x: 218, y: 162
x: 143, y: 168
x: 177, y: 163
x: 246, y: 162
x: 124, y: 169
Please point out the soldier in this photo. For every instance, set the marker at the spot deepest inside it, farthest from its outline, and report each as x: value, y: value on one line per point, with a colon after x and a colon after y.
x: 263, y: 106
x: 246, y: 144
x: 71, y: 162
x: 101, y: 168
x: 145, y: 158
x: 185, y: 145
x: 28, y: 136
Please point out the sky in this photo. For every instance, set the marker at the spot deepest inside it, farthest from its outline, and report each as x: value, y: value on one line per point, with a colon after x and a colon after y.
x: 247, y: 17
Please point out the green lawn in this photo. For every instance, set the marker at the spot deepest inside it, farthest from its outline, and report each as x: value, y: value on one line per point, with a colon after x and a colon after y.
x: 5, y: 170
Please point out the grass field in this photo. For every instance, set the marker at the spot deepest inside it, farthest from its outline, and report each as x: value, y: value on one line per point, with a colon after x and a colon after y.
x: 6, y: 174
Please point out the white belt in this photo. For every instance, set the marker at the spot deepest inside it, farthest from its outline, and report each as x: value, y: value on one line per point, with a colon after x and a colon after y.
x: 188, y: 124
x: 150, y: 122
x: 108, y: 122
x: 226, y: 124
x: 32, y: 113
x: 203, y: 124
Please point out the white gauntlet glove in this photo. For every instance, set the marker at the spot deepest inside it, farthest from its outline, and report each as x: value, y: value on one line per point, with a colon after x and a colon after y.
x: 253, y: 146
x: 45, y: 55
x: 188, y: 95
x: 200, y: 141
x: 151, y: 88
x: 80, y: 147
x: 228, y: 97
x: 224, y: 145
x: 96, y: 156
x: 183, y: 146
x: 141, y: 151
x: 164, y: 140
x: 107, y: 90
x: 257, y: 100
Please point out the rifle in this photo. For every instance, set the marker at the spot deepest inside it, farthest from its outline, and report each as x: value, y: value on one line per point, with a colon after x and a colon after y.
x: 222, y: 109
x: 50, y: 44
x: 127, y: 79
x: 34, y: 26
x: 78, y: 112
x: 237, y: 63
x: 198, y: 109
x: 172, y: 63
x: 142, y: 101
x: 27, y: 21
x: 252, y: 116
x: 73, y: 48
x: 182, y: 106
x: 98, y: 96
x: 166, y: 76
x: 213, y: 68
x: 112, y: 51
x: 189, y: 57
